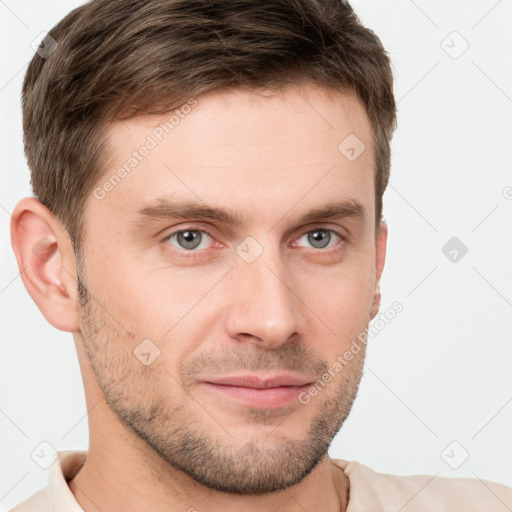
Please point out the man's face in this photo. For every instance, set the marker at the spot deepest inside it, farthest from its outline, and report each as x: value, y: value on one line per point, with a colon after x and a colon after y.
x: 179, y: 305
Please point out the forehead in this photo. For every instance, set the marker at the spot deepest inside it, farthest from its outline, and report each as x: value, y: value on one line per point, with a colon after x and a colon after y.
x: 242, y: 149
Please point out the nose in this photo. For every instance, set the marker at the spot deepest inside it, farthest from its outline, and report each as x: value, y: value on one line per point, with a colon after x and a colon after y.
x: 265, y: 308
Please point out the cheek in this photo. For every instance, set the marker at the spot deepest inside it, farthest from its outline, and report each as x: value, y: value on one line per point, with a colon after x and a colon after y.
x: 342, y: 300
x: 169, y: 305
x: 347, y: 314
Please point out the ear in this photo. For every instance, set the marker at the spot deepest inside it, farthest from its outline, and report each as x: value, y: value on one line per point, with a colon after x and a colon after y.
x: 380, y: 259
x: 47, y: 262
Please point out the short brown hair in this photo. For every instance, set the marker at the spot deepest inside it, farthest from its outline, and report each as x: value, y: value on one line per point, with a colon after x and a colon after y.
x: 115, y: 59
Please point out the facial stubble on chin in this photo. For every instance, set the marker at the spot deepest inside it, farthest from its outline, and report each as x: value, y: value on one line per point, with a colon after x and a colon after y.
x: 256, y: 467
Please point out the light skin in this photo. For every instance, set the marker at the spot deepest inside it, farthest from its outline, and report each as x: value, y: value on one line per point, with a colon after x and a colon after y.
x: 161, y: 437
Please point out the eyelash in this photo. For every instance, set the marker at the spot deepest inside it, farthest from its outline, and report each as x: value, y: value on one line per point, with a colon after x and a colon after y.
x: 192, y: 253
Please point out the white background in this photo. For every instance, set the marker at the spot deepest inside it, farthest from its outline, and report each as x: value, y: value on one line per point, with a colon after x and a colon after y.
x: 441, y: 370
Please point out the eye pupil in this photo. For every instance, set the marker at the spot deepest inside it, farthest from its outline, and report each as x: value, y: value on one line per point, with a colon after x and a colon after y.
x: 189, y: 239
x: 319, y: 238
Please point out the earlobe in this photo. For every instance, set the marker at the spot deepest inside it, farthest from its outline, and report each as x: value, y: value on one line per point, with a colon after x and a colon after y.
x: 46, y: 261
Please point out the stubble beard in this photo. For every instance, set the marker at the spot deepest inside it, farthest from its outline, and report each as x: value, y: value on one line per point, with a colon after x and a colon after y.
x: 221, y: 463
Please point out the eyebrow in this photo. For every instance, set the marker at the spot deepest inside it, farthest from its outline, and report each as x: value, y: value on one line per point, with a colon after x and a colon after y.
x: 164, y: 208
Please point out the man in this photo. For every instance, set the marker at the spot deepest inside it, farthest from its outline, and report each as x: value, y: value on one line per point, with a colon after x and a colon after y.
x: 208, y: 225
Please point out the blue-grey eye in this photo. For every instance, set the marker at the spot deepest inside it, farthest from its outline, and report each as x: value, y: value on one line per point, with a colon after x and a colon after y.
x: 321, y: 238
x: 189, y: 239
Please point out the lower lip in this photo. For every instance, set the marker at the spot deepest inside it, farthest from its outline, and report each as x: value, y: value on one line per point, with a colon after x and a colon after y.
x: 267, y: 398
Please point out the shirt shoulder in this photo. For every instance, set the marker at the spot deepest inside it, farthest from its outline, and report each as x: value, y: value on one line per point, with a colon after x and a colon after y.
x: 38, y: 502
x: 370, y: 490
x: 57, y: 497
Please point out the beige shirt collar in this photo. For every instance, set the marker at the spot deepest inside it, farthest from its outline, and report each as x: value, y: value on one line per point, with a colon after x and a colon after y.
x: 369, y: 490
